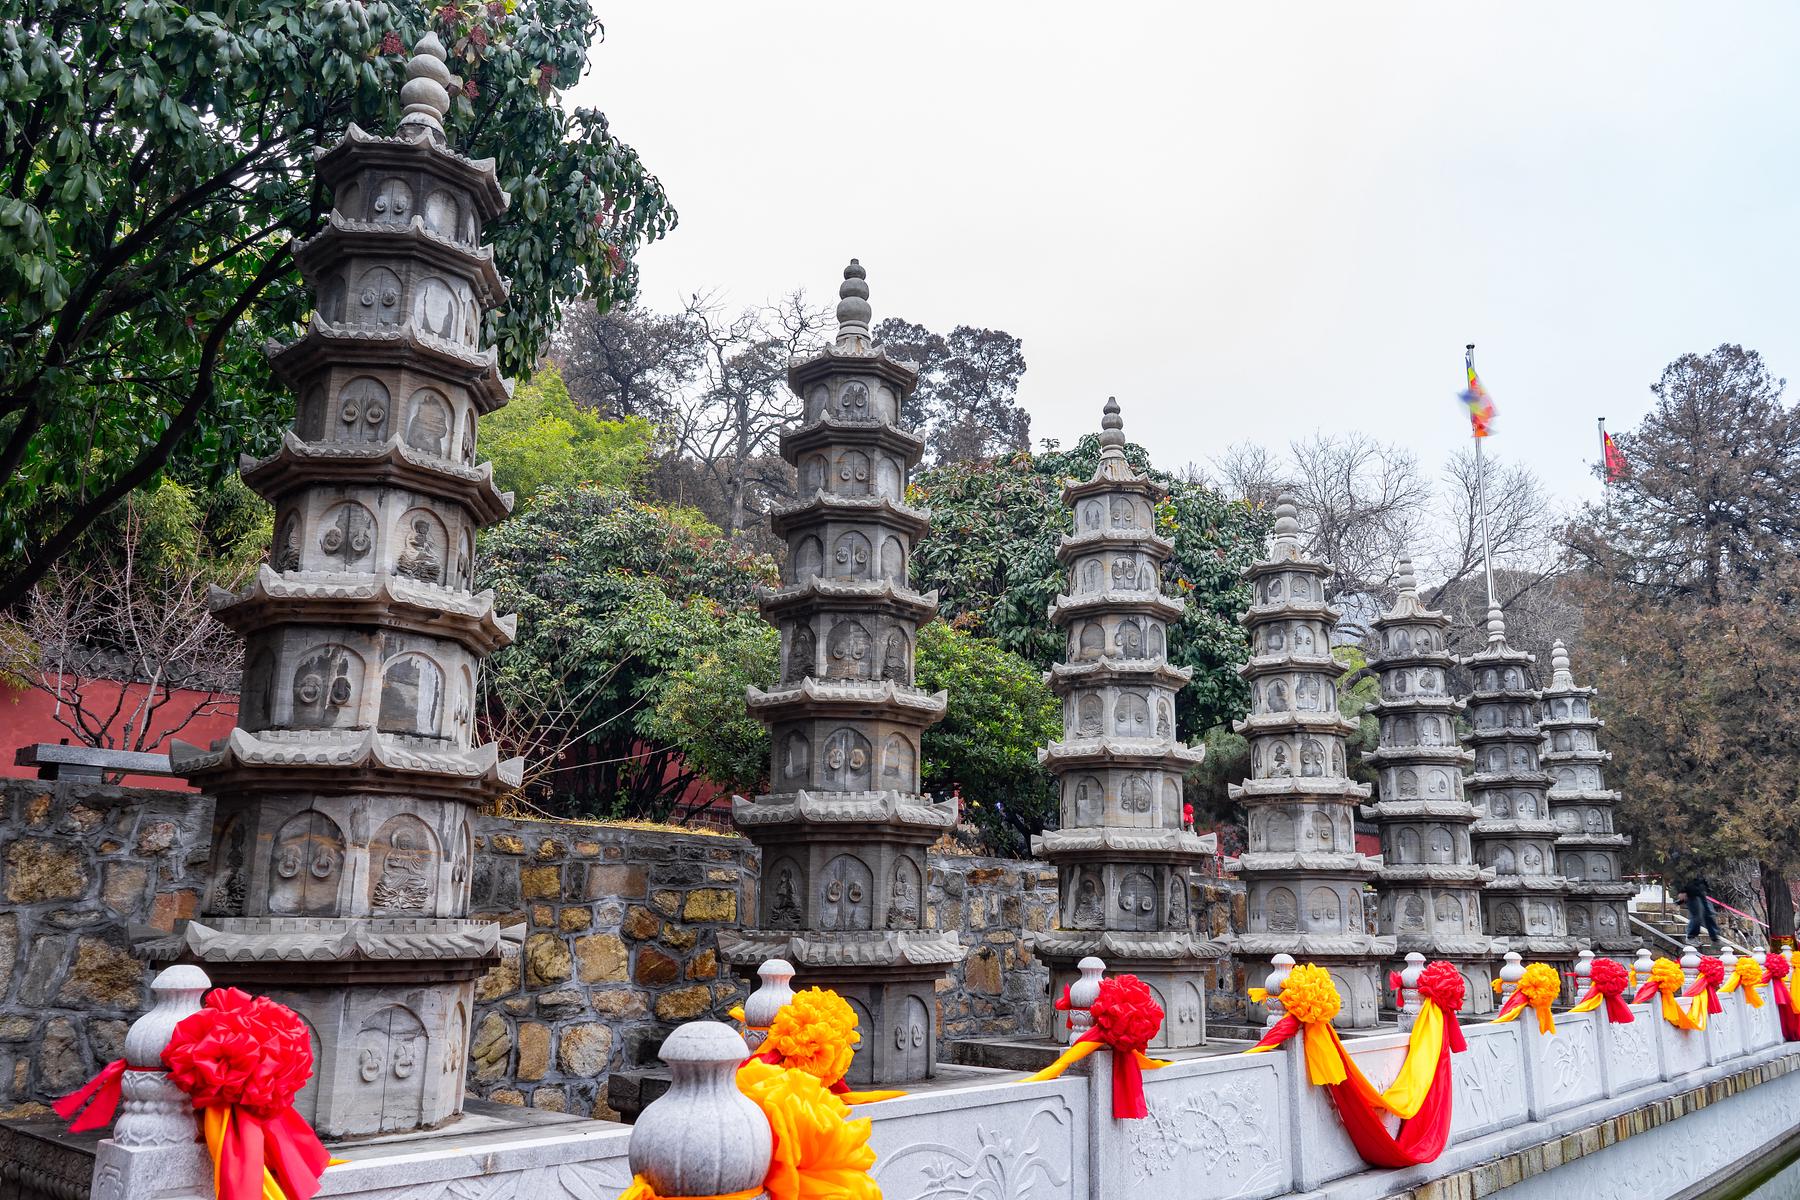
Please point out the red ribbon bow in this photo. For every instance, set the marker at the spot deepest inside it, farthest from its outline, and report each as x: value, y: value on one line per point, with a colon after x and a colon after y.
x: 100, y: 1096
x: 1442, y: 984
x: 1126, y: 1017
x: 1711, y: 975
x: 1775, y: 969
x: 1063, y: 1005
x: 1607, y: 980
x: 1399, y: 986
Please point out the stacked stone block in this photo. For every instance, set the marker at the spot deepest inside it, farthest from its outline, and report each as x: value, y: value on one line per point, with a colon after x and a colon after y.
x: 1516, y: 835
x: 1123, y: 854
x: 1430, y: 885
x: 1587, y: 847
x: 844, y: 827
x: 343, y: 833
x: 1302, y: 870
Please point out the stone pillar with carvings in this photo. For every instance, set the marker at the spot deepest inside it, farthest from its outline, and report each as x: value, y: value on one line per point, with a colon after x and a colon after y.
x: 155, y: 1147
x: 1123, y: 854
x: 844, y: 828
x: 1587, y: 847
x: 1516, y: 835
x: 342, y: 838
x: 1430, y: 885
x: 1303, y: 873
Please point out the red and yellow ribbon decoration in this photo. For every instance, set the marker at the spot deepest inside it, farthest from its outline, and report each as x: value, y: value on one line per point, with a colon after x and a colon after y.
x: 1607, y: 981
x: 1747, y: 974
x: 815, y: 1032
x: 1776, y: 967
x: 1126, y: 1016
x: 97, y: 1100
x: 1420, y: 1095
x: 1665, y: 980
x: 1705, y: 990
x: 1538, y: 988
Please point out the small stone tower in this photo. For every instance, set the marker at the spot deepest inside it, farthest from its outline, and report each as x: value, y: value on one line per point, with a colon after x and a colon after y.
x: 844, y: 827
x: 1123, y: 854
x: 1430, y: 884
x: 1515, y: 835
x: 1302, y: 869
x: 342, y: 841
x: 1587, y: 848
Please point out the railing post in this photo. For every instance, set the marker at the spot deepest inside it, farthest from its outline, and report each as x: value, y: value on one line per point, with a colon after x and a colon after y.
x: 1408, y: 999
x: 154, y: 1148
x: 770, y: 996
x: 1082, y: 994
x: 1280, y: 965
x: 702, y: 1137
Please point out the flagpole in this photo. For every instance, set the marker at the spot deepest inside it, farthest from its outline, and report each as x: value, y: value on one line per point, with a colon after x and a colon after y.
x: 1605, y: 472
x: 1487, y: 553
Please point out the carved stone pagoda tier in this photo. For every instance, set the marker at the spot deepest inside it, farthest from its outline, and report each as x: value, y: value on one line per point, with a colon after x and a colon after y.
x: 1430, y: 885
x: 1587, y: 848
x: 1122, y: 852
x: 342, y: 837
x: 1516, y: 835
x: 1303, y: 873
x: 844, y: 828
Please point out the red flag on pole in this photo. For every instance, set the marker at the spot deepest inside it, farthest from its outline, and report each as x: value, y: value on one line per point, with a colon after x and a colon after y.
x: 1616, y: 466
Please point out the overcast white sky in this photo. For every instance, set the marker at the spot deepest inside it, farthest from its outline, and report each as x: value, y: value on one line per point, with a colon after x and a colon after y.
x: 1248, y: 221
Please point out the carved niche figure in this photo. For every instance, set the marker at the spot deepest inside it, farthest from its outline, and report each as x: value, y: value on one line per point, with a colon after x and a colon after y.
x: 1578, y: 920
x: 1282, y: 914
x: 897, y: 763
x: 1164, y: 718
x: 1146, y: 580
x: 1278, y: 762
x: 803, y: 654
x: 412, y: 696
x: 852, y: 473
x: 1412, y: 912
x: 1273, y: 640
x: 784, y: 904
x: 324, y: 685
x: 307, y: 859
x: 428, y: 428
x: 286, y: 553
x: 1409, y: 783
x: 226, y: 895
x: 403, y: 866
x: 1499, y: 805
x: 1276, y: 697
x: 809, y: 559
x: 1090, y: 515
x: 465, y: 562
x: 796, y: 756
x: 1513, y: 681
x: 1272, y: 589
x: 903, y: 902
x: 1506, y: 918
x: 1088, y: 798
x: 846, y: 896
x: 1154, y: 645
x: 1131, y: 715
x: 1408, y: 845
x: 850, y: 557
x: 1177, y: 901
x: 1088, y: 715
x: 1278, y: 830
x: 259, y: 689
x: 893, y: 659
x: 853, y: 402
x: 1092, y: 642
x: 422, y: 557
x: 1090, y: 900
x: 847, y: 651
x: 846, y: 761
x: 1091, y: 575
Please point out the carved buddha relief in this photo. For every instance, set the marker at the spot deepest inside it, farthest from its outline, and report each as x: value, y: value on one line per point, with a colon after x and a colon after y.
x: 1090, y: 515
x: 903, y: 891
x: 846, y: 894
x: 1090, y: 901
x: 1178, y: 906
x: 802, y: 656
x: 1282, y: 913
x: 809, y: 559
x: 1578, y: 919
x: 796, y: 758
x: 1409, y: 783
x: 1089, y: 796
x: 1091, y: 575
x: 225, y: 895
x: 423, y: 548
x: 465, y: 561
x: 786, y: 885
x: 428, y: 426
x: 1506, y: 918
x: 895, y: 662
x: 306, y: 865
x: 898, y: 764
x: 1408, y: 846
x: 1153, y: 645
x: 1412, y: 912
x: 1165, y: 723
x: 326, y: 683
x: 412, y: 696
x: 403, y: 867
x: 285, y: 554
x: 1089, y: 713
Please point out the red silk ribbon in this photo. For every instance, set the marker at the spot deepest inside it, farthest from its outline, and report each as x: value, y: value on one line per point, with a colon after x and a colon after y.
x: 100, y: 1097
x: 1711, y: 975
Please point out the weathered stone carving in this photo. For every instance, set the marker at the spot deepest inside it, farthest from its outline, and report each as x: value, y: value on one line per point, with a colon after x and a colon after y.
x: 1119, y: 772
x: 1587, y: 848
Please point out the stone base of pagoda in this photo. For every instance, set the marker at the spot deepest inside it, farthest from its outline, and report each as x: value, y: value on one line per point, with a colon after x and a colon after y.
x: 888, y: 976
x: 1177, y: 966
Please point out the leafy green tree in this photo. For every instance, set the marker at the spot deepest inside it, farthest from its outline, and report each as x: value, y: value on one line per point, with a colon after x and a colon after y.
x: 543, y: 439
x: 991, y: 555
x: 700, y: 707
x: 155, y: 174
x: 967, y: 399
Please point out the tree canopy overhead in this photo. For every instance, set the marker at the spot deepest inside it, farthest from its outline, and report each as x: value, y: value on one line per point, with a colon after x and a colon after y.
x: 155, y: 171
x: 966, y: 402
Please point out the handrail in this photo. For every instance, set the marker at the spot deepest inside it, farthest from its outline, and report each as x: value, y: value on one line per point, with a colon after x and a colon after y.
x: 1740, y: 912
x: 1653, y: 931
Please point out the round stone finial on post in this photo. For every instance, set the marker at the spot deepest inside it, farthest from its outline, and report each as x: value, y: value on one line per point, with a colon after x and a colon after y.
x: 1112, y: 430
x: 1511, y: 972
x: 426, y: 92
x: 1584, y: 965
x: 1690, y: 964
x: 1406, y: 583
x: 1279, y: 966
x: 1560, y: 675
x: 1643, y: 964
x: 1761, y: 956
x: 1408, y: 999
x: 1729, y: 958
x: 153, y: 1111
x: 1496, y: 626
x: 853, y: 311
x: 1082, y: 994
x: 702, y: 1137
x: 769, y: 998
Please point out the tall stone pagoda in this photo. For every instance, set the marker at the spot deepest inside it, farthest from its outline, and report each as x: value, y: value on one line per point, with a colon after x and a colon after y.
x: 1516, y: 835
x: 844, y: 827
x: 1123, y: 854
x: 1587, y: 848
x: 1430, y: 884
x: 1303, y: 872
x: 342, y: 840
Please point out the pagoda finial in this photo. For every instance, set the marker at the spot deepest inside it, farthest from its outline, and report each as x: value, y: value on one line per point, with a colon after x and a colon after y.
x: 426, y: 92
x: 1407, y: 584
x: 1112, y: 430
x: 1287, y: 520
x: 1560, y: 675
x: 1496, y: 624
x: 853, y: 311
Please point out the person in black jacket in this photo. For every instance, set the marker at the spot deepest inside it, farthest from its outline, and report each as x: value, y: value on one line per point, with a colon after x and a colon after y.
x: 1699, y: 908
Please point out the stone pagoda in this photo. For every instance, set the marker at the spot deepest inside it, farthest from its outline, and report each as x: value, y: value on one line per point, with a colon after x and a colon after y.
x: 844, y: 827
x: 342, y: 842
x: 1123, y: 854
x: 1515, y: 835
x: 1587, y: 848
x: 1430, y: 884
x: 1303, y: 872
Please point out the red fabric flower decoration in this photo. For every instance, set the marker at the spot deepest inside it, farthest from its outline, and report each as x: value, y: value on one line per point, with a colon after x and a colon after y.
x: 1710, y: 974
x: 1126, y: 1014
x: 240, y: 1049
x: 1608, y: 976
x: 1443, y: 985
x: 1775, y: 966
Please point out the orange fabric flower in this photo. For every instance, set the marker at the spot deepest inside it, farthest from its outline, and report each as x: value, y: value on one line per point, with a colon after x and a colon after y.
x: 815, y: 1032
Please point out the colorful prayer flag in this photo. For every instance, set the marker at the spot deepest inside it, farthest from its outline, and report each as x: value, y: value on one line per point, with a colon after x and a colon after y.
x: 1616, y: 466
x: 1479, y: 403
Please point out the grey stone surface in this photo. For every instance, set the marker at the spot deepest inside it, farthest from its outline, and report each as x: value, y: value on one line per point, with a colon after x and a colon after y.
x: 1516, y: 835
x: 1588, y: 848
x: 1123, y: 854
x: 343, y: 842
x: 1304, y: 874
x: 844, y: 828
x: 1429, y: 884
x: 703, y: 1137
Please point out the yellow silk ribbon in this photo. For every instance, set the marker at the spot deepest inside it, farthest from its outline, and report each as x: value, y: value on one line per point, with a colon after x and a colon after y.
x: 1423, y: 1049
x: 1081, y: 1050
x: 1590, y: 1004
x: 1751, y: 995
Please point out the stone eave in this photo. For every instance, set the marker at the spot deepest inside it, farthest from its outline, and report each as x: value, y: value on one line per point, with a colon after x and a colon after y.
x: 1125, y: 843
x: 862, y: 948
x: 878, y: 597
x: 344, y: 236
x: 1321, y: 864
x: 1102, y: 484
x: 824, y: 506
x: 358, y: 149
x: 1355, y: 946
x: 1601, y: 889
x: 1126, y: 672
x: 1559, y: 947
x: 1422, y: 756
x: 345, y: 761
x: 1291, y: 610
x: 1112, y: 603
x: 1132, y: 752
x: 1443, y: 874
x: 1499, y: 654
x: 837, y: 809
x: 383, y: 347
x: 1567, y: 796
x: 1071, y: 545
x: 1285, y: 558
x: 1455, y: 947
x: 1410, y: 612
x: 1259, y: 665
x: 1121, y: 949
x: 1514, y: 827
x: 386, y: 601
x: 1583, y: 758
x: 1387, y: 811
x: 1583, y: 840
x: 1292, y: 721
x: 1406, y: 706
x: 375, y: 464
x: 828, y: 431
x: 1530, y: 780
x: 1297, y: 788
x: 1520, y: 735
x: 834, y: 361
x: 299, y: 939
x: 847, y: 698
x: 1532, y: 884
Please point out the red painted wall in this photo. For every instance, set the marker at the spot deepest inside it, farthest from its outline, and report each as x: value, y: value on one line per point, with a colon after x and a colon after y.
x: 28, y: 716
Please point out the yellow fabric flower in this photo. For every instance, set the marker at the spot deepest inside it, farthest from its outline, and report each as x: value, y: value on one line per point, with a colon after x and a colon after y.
x: 1309, y: 996
x: 1748, y: 975
x: 815, y: 1032
x: 820, y: 1153
x: 1666, y: 974
x: 1540, y: 985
